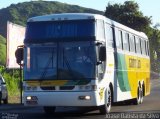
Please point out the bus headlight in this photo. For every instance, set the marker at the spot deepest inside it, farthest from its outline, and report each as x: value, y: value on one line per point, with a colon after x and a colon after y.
x: 88, y: 87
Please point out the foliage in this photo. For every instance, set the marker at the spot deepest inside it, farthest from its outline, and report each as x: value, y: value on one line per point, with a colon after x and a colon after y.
x: 128, y: 14
x: 12, y: 80
x: 2, y: 50
x: 155, y: 48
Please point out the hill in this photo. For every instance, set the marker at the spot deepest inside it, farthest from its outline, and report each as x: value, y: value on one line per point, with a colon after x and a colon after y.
x: 19, y: 13
x: 2, y: 50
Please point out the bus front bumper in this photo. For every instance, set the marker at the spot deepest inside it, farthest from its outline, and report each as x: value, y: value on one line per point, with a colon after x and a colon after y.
x: 61, y: 99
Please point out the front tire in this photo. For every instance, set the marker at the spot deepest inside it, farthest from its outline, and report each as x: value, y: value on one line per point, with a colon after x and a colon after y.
x: 105, y: 109
x: 49, y: 110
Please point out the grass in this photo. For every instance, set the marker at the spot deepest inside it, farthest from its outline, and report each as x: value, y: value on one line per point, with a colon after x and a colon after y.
x: 13, y: 84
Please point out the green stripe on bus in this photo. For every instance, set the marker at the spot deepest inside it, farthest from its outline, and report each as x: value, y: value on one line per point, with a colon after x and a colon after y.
x: 122, y: 73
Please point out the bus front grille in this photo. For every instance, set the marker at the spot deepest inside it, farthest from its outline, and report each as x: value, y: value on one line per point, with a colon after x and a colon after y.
x: 67, y: 87
x: 48, y: 88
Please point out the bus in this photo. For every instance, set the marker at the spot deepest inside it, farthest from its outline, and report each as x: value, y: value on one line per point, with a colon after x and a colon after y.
x: 83, y: 60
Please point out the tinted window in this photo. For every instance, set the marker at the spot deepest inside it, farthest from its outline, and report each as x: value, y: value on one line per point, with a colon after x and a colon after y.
x: 138, y: 46
x: 148, y: 48
x: 119, y: 39
x: 100, y: 29
x: 143, y: 47
x: 109, y: 35
x: 132, y: 43
x: 125, y: 41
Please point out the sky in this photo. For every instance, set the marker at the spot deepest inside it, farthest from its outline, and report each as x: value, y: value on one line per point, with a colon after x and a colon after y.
x: 148, y: 7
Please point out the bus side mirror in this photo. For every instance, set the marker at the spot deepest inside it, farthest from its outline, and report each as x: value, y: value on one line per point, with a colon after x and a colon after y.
x: 19, y: 55
x: 102, y: 53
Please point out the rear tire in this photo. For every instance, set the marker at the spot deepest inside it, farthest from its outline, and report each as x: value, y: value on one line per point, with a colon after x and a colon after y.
x: 49, y: 110
x: 105, y: 109
x: 137, y: 100
x: 141, y: 98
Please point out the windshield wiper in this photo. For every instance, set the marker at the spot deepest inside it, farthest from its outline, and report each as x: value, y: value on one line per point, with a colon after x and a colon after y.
x: 68, y: 66
x: 46, y: 67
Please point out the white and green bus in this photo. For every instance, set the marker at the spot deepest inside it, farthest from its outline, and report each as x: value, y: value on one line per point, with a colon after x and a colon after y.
x: 80, y: 59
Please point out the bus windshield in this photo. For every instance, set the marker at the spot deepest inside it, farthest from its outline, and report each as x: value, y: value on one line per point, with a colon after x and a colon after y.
x: 61, y: 61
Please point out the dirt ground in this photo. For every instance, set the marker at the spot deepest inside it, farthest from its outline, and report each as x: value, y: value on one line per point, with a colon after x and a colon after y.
x: 14, y: 99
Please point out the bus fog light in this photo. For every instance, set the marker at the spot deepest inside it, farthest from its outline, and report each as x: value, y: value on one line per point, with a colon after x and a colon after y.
x: 28, y: 97
x: 85, y: 97
x: 31, y: 98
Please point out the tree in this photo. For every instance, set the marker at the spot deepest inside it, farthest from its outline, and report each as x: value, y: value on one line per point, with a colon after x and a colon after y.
x: 2, y: 50
x: 155, y: 48
x: 128, y: 14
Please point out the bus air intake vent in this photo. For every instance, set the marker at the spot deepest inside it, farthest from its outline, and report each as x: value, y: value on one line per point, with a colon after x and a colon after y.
x: 48, y: 88
x: 67, y: 87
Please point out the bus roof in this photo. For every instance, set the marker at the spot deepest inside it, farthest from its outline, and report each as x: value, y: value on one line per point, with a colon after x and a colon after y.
x: 83, y: 16
x: 66, y: 16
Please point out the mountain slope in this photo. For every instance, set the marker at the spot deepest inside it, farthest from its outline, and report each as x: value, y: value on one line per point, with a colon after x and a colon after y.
x: 2, y: 50
x: 19, y: 13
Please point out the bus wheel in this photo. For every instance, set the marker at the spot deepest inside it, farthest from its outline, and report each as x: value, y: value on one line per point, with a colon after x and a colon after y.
x: 105, y: 109
x: 137, y: 100
x: 141, y: 96
x: 49, y: 110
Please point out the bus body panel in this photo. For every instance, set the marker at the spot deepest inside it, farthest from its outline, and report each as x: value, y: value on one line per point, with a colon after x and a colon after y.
x: 62, y: 99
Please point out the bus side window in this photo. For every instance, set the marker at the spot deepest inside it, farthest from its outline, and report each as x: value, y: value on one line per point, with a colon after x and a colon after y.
x: 132, y: 43
x: 134, y: 38
x: 118, y: 39
x: 146, y: 47
x: 143, y: 47
x: 125, y: 41
x: 109, y: 35
x: 100, y: 30
x: 138, y: 46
